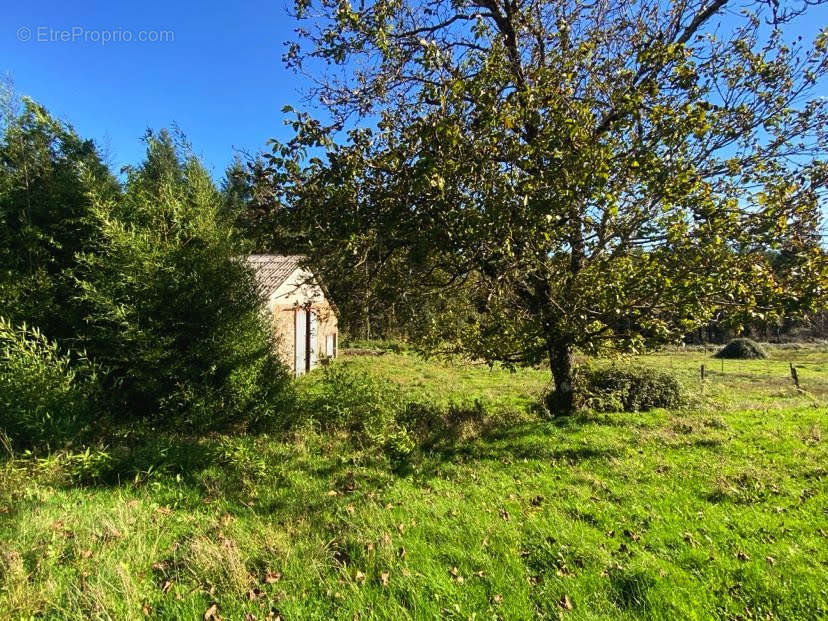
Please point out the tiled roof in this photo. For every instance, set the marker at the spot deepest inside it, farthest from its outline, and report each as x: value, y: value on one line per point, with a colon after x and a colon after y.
x: 273, y: 269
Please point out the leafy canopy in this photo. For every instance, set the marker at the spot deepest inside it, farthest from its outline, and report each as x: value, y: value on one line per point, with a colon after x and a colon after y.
x: 563, y: 174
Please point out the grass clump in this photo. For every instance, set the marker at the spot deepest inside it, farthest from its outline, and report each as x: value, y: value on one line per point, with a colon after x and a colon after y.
x: 628, y: 389
x: 44, y: 398
x: 742, y: 349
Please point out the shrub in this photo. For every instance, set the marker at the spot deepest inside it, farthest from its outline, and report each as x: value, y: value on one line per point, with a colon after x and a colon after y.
x: 342, y: 398
x: 627, y: 389
x: 44, y: 399
x: 741, y: 349
x: 173, y: 316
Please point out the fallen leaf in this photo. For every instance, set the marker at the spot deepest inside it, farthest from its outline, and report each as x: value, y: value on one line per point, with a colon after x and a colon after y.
x: 401, y: 552
x: 250, y: 617
x: 565, y: 602
x: 455, y: 573
x: 480, y: 573
x: 160, y: 566
x: 497, y: 598
x: 332, y: 492
x: 742, y: 556
x: 86, y: 554
x: 146, y: 610
x: 504, y: 514
x: 359, y: 576
x: 384, y: 577
x: 166, y: 586
x: 537, y: 501
x: 770, y: 560
x: 211, y: 614
x: 350, y: 509
x: 610, y: 533
x: 254, y: 594
x: 272, y: 577
x: 163, y: 510
x: 226, y: 519
x: 632, y: 535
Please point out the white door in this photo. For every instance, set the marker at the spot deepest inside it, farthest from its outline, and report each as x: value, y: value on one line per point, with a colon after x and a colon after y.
x: 312, y: 340
x: 300, y: 338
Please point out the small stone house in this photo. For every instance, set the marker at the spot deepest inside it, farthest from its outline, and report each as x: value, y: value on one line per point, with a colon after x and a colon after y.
x: 303, y: 319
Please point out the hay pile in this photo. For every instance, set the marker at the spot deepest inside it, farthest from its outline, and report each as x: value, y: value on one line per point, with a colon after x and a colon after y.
x: 741, y: 349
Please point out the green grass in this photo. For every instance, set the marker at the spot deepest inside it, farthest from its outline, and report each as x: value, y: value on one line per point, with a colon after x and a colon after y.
x: 717, y: 511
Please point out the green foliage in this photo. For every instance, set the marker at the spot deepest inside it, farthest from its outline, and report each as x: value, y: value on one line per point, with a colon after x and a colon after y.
x: 344, y: 398
x: 627, y: 389
x: 741, y: 349
x: 517, y: 183
x: 172, y: 313
x: 46, y: 398
x: 46, y: 176
x: 374, y: 410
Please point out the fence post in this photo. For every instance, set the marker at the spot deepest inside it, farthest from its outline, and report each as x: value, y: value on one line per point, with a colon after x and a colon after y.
x: 794, y: 375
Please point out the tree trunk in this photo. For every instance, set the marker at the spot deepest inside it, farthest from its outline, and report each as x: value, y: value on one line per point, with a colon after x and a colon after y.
x: 562, y: 400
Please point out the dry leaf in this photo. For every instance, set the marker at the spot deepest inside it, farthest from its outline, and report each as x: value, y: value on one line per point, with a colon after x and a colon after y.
x: 163, y: 510
x: 497, y: 598
x: 86, y: 554
x: 211, y: 614
x: 160, y: 565
x: 250, y: 617
x: 166, y: 586
x: 537, y: 501
x: 455, y: 573
x: 146, y: 610
x: 226, y: 519
x: 480, y: 573
x: 742, y: 556
x: 401, y: 552
x: 384, y: 577
x: 350, y: 509
x: 254, y: 594
x: 504, y: 514
x: 632, y: 535
x: 770, y: 560
x: 359, y: 576
x: 272, y: 577
x: 565, y: 602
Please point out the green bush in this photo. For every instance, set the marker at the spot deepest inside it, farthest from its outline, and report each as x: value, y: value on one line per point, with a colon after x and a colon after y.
x: 172, y: 314
x: 342, y: 398
x: 627, y: 389
x: 45, y: 400
x: 742, y: 349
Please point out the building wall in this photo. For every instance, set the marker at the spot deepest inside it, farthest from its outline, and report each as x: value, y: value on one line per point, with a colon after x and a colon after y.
x: 299, y: 292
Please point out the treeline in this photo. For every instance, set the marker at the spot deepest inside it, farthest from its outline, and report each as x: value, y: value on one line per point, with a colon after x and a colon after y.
x: 122, y: 303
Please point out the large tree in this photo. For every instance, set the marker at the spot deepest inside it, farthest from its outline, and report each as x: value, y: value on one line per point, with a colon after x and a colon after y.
x: 588, y: 174
x: 47, y: 173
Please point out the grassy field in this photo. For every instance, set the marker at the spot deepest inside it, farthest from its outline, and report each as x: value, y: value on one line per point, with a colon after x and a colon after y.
x: 716, y: 511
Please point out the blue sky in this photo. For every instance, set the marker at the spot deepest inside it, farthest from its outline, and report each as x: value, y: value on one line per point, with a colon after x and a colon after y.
x: 220, y: 78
